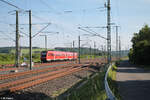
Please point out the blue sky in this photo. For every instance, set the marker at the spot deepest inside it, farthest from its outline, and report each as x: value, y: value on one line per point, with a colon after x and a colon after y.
x: 131, y: 15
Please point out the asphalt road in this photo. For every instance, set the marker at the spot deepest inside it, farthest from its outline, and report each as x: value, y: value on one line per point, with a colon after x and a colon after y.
x: 133, y: 82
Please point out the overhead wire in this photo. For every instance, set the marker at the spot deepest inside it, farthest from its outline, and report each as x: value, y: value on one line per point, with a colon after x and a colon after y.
x: 10, y: 4
x: 50, y: 7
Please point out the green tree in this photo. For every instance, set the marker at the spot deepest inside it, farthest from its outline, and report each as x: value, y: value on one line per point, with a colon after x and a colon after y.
x: 139, y: 53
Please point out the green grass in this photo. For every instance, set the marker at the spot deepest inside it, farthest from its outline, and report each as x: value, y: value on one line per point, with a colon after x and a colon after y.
x: 90, y: 56
x: 7, y: 62
x: 125, y: 58
x: 10, y: 58
x: 112, y: 82
x: 26, y: 51
x: 58, y: 92
x: 92, y: 90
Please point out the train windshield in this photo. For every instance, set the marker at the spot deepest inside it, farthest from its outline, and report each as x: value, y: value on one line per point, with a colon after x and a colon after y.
x: 43, y: 54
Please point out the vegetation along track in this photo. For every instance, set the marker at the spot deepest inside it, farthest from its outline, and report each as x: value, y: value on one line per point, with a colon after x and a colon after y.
x: 28, y: 82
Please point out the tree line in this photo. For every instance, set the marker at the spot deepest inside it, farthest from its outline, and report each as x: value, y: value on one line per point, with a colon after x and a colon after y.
x: 140, y: 51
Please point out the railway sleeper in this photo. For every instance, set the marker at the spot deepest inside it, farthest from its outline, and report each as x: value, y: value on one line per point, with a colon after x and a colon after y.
x: 9, y: 84
x: 36, y: 82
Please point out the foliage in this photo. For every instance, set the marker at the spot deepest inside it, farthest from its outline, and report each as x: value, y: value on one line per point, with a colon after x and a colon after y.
x: 7, y: 54
x: 7, y: 58
x: 92, y: 90
x: 112, y: 81
x: 139, y: 53
x: 10, y: 58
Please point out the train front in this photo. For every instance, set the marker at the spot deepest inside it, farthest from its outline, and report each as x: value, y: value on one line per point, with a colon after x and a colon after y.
x: 43, y: 56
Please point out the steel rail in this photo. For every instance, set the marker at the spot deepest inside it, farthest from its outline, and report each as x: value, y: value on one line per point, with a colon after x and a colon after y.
x: 7, y: 76
x: 21, y: 81
x: 36, y: 82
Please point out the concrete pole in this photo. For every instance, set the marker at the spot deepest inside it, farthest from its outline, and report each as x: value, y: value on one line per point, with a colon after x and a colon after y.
x: 79, y: 50
x: 17, y: 40
x: 108, y: 33
x: 30, y: 40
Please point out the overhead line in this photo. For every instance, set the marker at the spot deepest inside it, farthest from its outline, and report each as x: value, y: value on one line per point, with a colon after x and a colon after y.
x: 41, y: 30
x: 19, y: 8
x: 20, y: 30
x: 97, y: 34
x: 28, y: 24
x: 45, y: 4
x: 7, y: 35
x: 10, y: 4
x: 93, y: 33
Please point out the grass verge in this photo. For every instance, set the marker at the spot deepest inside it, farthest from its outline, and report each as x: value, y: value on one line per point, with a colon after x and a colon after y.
x: 112, y: 81
x: 93, y: 89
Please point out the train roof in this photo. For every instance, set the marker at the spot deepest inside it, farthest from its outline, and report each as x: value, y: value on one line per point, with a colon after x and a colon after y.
x: 58, y: 52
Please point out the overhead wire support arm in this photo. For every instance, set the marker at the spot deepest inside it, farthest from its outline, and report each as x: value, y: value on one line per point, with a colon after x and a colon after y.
x: 92, y: 33
x: 96, y: 34
x: 41, y: 30
x: 23, y: 33
x: 32, y: 24
x: 20, y: 30
x: 51, y: 32
x: 94, y: 27
x: 46, y: 37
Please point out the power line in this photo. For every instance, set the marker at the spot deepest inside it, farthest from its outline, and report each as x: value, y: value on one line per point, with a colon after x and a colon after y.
x: 28, y: 24
x: 96, y: 34
x: 8, y: 36
x: 11, y: 4
x: 45, y: 4
x: 41, y: 30
x: 19, y: 8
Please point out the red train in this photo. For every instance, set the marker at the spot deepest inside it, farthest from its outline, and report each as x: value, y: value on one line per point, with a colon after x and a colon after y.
x: 57, y: 55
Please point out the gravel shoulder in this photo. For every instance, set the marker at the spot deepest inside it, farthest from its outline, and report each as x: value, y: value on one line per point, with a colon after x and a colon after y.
x: 133, y: 82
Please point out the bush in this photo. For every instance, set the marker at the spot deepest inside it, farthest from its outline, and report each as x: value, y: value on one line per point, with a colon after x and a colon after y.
x: 139, y: 54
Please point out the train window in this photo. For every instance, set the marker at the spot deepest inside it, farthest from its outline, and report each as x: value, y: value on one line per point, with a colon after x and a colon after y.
x: 50, y: 54
x: 43, y: 55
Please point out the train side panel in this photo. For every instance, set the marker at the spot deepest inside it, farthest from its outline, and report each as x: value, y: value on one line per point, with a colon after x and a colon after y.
x: 57, y: 55
x: 50, y: 56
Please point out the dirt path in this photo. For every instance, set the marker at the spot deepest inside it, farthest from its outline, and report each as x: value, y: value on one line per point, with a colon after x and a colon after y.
x: 134, y: 83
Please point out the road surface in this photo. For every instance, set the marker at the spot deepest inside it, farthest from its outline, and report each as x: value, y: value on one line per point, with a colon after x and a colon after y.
x: 133, y: 82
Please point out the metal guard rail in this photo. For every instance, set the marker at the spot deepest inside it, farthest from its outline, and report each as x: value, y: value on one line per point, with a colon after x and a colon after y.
x: 109, y: 93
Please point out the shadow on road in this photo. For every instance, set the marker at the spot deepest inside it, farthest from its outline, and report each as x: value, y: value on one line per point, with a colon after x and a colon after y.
x: 134, y: 90
x: 133, y: 82
x: 126, y: 67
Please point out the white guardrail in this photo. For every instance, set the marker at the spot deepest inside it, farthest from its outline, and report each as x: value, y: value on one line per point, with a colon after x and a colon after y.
x: 109, y: 93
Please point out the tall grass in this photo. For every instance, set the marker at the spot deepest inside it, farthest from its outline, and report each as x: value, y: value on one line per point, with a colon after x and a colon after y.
x: 112, y: 81
x: 10, y: 58
x: 92, y: 90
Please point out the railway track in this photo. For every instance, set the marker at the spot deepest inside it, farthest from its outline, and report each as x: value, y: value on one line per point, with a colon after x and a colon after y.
x: 35, y: 80
x: 8, y: 69
x: 13, y: 75
x: 22, y: 80
x: 36, y: 64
